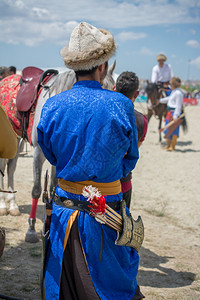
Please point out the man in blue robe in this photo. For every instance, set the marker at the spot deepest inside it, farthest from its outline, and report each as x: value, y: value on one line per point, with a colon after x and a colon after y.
x: 90, y: 135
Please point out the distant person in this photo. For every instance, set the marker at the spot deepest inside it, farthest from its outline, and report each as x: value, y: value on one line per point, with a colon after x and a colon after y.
x: 4, y: 72
x: 162, y: 72
x: 12, y: 70
x: 161, y: 75
x: 174, y: 107
x: 8, y: 149
x: 128, y: 84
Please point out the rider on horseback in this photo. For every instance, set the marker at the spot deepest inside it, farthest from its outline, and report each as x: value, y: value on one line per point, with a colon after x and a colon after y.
x: 161, y: 75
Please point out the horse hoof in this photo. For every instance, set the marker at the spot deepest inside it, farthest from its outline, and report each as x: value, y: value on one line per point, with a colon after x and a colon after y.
x: 31, y: 236
x: 14, y: 212
x: 3, y: 211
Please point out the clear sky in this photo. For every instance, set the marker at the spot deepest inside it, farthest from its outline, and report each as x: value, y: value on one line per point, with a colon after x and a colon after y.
x: 33, y: 32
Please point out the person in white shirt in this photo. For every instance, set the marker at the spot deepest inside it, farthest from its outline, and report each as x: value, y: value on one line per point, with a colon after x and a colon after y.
x: 174, y: 107
x: 162, y: 72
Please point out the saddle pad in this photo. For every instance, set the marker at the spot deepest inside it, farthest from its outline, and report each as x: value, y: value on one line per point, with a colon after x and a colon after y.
x: 9, y: 88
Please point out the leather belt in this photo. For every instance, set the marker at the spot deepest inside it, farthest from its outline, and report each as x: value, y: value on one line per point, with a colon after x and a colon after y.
x: 81, y: 205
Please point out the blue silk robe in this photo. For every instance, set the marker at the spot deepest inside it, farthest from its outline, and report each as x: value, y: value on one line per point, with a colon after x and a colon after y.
x: 86, y: 132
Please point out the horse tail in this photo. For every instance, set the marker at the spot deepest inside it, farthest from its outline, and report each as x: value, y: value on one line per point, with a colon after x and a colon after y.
x: 184, y: 123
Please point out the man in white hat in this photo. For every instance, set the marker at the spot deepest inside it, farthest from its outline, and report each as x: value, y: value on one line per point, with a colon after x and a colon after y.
x: 90, y: 134
x: 162, y: 72
x: 161, y: 75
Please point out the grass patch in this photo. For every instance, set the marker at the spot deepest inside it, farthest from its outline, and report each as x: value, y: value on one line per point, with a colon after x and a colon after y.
x: 157, y: 213
x: 180, y: 266
x: 27, y: 288
x: 155, y: 296
x: 35, y: 251
x: 154, y: 212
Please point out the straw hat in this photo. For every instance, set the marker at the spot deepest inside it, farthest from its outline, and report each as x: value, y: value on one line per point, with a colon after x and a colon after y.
x: 88, y: 47
x: 161, y: 56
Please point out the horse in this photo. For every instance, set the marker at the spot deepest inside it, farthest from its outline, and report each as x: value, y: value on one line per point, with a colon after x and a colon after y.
x: 159, y: 110
x: 57, y: 84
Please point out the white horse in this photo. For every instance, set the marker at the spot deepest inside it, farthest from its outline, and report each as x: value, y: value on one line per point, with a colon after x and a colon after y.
x: 56, y: 85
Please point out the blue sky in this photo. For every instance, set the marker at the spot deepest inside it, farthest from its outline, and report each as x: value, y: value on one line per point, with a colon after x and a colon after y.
x: 33, y: 32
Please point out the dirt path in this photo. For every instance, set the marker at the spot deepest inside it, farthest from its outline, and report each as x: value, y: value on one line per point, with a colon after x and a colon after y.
x: 166, y: 193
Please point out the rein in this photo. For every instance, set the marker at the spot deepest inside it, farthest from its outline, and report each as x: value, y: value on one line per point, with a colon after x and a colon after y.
x: 48, y: 87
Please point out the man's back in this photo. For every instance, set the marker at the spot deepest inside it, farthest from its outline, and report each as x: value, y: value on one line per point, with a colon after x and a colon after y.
x: 89, y: 129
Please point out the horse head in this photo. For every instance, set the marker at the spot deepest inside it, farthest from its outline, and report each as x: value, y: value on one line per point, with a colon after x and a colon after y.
x: 152, y: 93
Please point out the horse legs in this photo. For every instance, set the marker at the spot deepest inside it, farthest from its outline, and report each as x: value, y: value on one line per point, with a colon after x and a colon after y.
x: 3, y: 208
x: 11, y: 167
x: 38, y: 160
x: 149, y: 114
x: 159, y: 127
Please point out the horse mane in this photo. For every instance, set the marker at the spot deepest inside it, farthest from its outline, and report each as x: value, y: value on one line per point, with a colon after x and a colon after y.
x: 63, y: 81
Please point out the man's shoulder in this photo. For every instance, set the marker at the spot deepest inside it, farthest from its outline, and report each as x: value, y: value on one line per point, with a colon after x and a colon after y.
x: 156, y: 67
x: 54, y: 102
x: 58, y: 97
x: 167, y: 66
x: 120, y: 97
x: 116, y: 97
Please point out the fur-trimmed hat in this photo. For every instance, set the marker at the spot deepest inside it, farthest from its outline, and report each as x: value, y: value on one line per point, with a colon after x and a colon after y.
x: 161, y: 56
x: 88, y: 47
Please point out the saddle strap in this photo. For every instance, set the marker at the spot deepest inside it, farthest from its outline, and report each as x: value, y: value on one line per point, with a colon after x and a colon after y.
x: 47, y: 74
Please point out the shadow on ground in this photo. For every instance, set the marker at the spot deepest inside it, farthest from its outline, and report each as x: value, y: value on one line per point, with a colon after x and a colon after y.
x: 159, y: 276
x: 182, y: 144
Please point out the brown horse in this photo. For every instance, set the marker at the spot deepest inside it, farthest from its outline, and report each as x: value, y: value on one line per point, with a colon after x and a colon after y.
x: 159, y: 110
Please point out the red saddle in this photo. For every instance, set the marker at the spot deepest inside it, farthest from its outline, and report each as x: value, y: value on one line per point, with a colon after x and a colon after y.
x: 28, y: 91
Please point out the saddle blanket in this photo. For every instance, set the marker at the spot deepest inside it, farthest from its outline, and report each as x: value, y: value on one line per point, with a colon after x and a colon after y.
x: 9, y: 88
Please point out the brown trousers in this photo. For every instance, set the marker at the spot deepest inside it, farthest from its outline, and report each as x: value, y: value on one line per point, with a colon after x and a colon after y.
x: 76, y: 283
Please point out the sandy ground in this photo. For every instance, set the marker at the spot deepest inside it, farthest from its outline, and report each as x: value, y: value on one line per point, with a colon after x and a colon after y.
x: 166, y: 193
